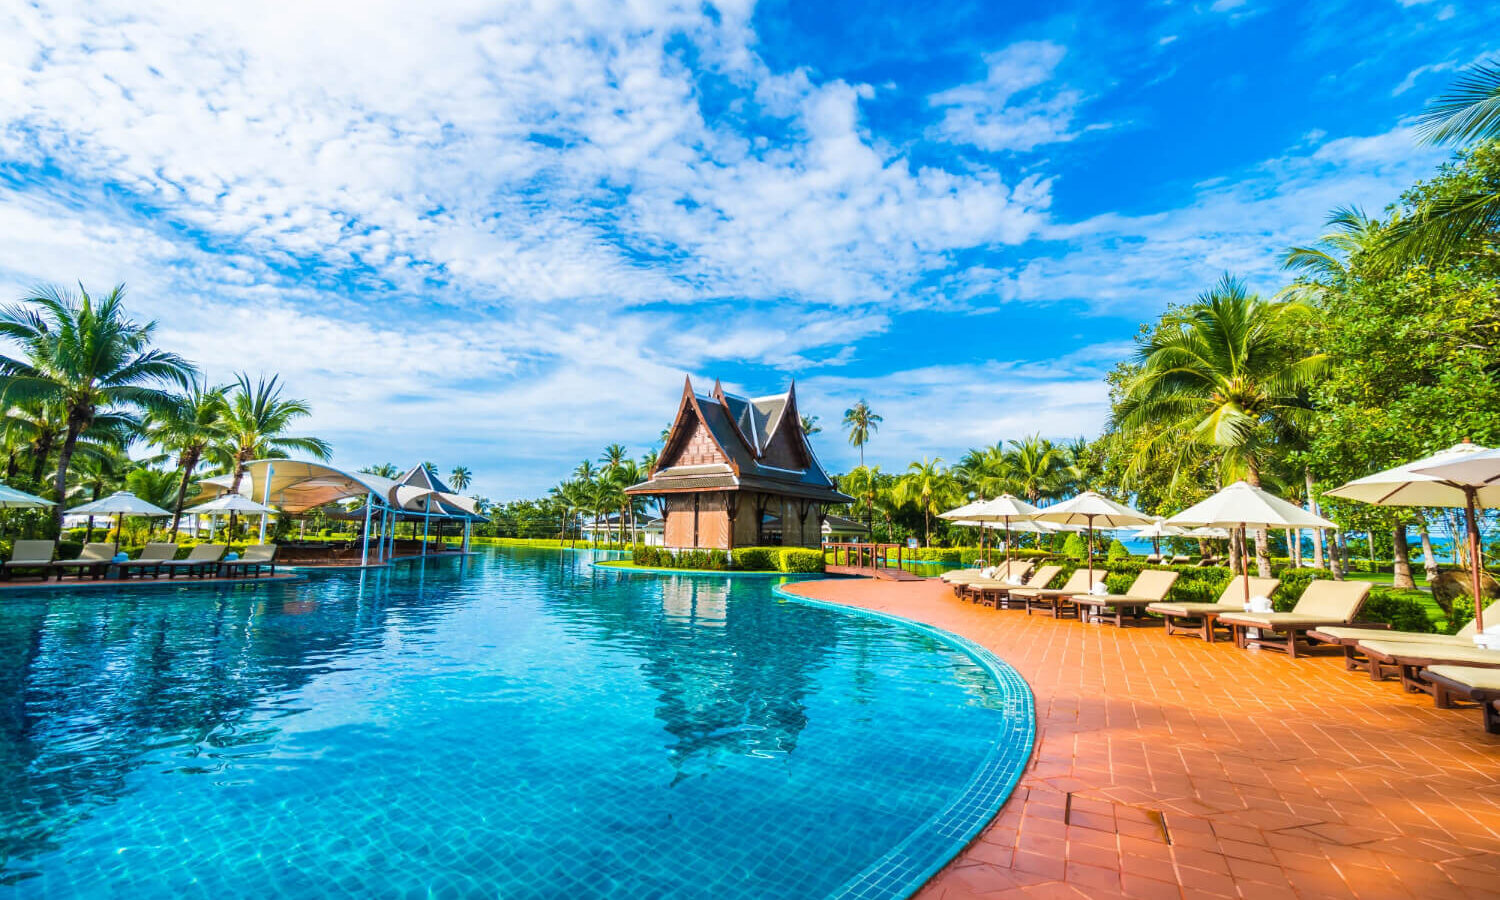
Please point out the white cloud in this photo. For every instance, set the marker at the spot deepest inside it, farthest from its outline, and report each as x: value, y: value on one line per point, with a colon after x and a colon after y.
x: 1016, y: 107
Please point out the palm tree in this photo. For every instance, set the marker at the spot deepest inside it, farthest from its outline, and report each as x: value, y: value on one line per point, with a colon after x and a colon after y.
x: 1226, y: 374
x: 861, y: 422
x: 648, y: 460
x: 255, y: 427
x: 810, y: 425
x: 459, y: 478
x: 95, y: 473
x: 585, y: 472
x: 86, y: 357
x: 384, y: 470
x: 930, y: 487
x: 573, y: 499
x: 1034, y: 466
x: 187, y: 425
x: 613, y: 455
x: 863, y: 484
x: 1444, y: 227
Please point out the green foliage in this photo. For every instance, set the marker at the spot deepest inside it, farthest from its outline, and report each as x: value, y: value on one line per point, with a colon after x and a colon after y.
x: 1074, y: 546
x: 800, y: 559
x: 1402, y: 610
x: 755, y: 559
x: 1117, y: 551
x: 1293, y: 583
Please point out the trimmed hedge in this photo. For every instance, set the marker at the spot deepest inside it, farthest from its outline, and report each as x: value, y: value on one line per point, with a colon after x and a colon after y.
x: 744, y: 559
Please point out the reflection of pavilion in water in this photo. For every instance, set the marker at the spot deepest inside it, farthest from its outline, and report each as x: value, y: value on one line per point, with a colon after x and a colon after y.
x: 89, y: 689
x: 731, y: 670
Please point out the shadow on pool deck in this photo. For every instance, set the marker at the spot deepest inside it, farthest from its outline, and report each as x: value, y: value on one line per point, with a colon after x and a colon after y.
x: 1168, y: 767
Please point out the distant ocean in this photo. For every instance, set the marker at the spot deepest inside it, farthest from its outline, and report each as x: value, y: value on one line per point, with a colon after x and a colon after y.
x: 1442, y: 546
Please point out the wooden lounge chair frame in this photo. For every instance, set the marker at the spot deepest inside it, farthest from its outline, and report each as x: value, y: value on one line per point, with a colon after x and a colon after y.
x: 1415, y: 656
x: 149, y: 560
x: 244, y: 565
x: 994, y: 595
x: 1445, y: 689
x: 1056, y: 602
x: 95, y: 565
x: 197, y: 562
x: 970, y: 589
x: 1161, y: 581
x: 1291, y: 631
x: 1355, y: 659
x: 1231, y: 600
x: 17, y: 562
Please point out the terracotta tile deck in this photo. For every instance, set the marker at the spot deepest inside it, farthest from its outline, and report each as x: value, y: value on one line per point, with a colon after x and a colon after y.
x: 1167, y: 767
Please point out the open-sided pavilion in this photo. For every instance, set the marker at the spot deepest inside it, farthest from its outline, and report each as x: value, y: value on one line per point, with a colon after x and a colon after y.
x: 296, y: 487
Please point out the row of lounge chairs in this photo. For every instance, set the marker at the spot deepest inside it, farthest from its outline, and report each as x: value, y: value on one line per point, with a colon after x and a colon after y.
x: 155, y: 559
x: 1451, y: 668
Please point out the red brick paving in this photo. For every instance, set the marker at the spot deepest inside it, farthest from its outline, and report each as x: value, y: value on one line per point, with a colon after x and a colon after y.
x: 1273, y: 777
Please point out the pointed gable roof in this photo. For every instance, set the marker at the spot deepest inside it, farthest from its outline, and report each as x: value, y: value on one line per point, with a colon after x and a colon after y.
x: 759, y: 451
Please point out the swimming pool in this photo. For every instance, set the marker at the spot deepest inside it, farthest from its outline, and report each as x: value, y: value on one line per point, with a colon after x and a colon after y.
x: 519, y: 725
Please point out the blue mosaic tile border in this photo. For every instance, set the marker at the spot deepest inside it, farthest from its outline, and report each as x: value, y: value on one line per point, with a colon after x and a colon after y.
x: 908, y: 865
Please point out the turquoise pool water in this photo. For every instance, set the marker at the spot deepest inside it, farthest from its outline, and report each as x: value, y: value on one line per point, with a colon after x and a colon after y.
x: 517, y: 726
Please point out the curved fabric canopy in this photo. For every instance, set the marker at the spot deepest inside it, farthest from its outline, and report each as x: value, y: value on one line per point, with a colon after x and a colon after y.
x: 297, y: 486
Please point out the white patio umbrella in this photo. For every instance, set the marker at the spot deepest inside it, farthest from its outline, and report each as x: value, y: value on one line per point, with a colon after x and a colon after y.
x: 119, y: 504
x: 1242, y: 505
x: 960, y: 515
x: 1465, y: 475
x: 1091, y: 509
x: 10, y: 498
x: 226, y: 504
x: 1004, y: 510
x: 1156, y: 530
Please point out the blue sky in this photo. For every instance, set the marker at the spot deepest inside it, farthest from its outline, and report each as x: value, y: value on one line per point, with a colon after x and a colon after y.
x: 501, y: 234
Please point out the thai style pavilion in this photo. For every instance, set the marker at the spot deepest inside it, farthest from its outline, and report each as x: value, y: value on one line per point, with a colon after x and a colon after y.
x: 739, y: 472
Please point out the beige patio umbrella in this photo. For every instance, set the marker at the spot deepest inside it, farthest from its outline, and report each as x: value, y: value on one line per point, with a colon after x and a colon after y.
x: 1004, y: 509
x: 1242, y: 505
x: 1091, y: 509
x: 1465, y: 475
x: 10, y: 498
x: 119, y: 504
x: 959, y: 515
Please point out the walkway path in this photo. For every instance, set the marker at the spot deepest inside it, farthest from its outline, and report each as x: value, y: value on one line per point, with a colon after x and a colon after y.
x: 1270, y: 777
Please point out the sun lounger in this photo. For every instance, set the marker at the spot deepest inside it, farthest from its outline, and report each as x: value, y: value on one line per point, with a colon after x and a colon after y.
x: 153, y: 556
x: 999, y: 572
x: 1153, y: 560
x: 94, y: 560
x: 995, y: 595
x: 1054, y: 603
x: 251, y: 561
x: 1231, y: 600
x: 1003, y: 579
x: 1409, y: 658
x: 203, y: 560
x: 1149, y: 587
x: 1323, y: 603
x: 29, y: 555
x: 1350, y: 636
x: 1179, y: 560
x: 1479, y: 685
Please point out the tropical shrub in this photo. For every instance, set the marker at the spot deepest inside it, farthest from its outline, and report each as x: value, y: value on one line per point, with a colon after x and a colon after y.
x: 1402, y: 610
x: 1117, y: 551
x: 755, y: 559
x: 1293, y: 583
x: 1073, y: 546
x: 799, y: 559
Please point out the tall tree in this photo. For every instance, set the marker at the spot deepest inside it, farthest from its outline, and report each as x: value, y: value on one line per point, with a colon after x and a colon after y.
x: 810, y: 425
x: 1229, y: 372
x: 1035, y: 466
x: 459, y: 478
x: 256, y: 424
x: 91, y: 360
x: 187, y: 425
x: 928, y: 485
x: 861, y: 421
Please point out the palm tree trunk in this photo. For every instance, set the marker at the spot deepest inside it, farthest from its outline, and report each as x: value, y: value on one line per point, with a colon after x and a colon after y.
x: 1312, y: 505
x: 1262, y: 542
x: 64, y: 459
x: 1401, y: 560
x: 1429, y: 562
x: 39, y: 465
x: 186, y: 465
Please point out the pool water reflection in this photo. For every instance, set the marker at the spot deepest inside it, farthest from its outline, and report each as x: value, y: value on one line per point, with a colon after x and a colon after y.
x: 520, y: 725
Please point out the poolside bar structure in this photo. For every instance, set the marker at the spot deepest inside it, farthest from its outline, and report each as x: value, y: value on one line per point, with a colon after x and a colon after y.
x: 296, y: 487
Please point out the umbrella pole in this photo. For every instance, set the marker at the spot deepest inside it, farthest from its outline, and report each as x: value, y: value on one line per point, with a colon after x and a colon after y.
x: 1245, y: 564
x: 119, y: 522
x: 1475, y: 569
x: 1007, y: 542
x: 1088, y: 550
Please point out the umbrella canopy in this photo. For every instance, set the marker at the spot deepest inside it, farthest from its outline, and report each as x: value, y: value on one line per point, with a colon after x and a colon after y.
x: 230, y: 503
x: 1206, y: 533
x: 10, y: 498
x: 1476, y: 473
x: 962, y: 512
x: 1158, y: 529
x: 1091, y: 510
x: 1242, y: 505
x: 1414, y: 483
x: 1004, y: 510
x: 120, y: 503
